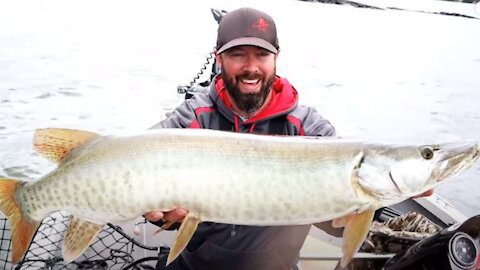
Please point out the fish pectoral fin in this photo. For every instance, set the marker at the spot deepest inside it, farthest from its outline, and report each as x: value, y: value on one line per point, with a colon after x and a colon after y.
x: 55, y: 143
x: 165, y: 226
x: 356, y: 230
x: 79, y: 236
x: 184, y: 234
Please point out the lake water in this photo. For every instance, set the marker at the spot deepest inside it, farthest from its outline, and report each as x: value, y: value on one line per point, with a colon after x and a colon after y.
x: 112, y: 67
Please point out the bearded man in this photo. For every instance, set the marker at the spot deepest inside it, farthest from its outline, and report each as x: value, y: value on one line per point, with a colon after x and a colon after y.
x: 247, y: 96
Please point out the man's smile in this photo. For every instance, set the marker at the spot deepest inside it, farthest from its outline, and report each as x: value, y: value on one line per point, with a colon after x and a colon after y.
x: 250, y: 86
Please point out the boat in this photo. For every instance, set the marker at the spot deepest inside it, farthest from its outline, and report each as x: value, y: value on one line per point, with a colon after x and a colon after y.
x: 453, y: 244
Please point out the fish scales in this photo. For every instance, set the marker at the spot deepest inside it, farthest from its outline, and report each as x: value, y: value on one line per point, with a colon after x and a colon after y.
x: 120, y: 178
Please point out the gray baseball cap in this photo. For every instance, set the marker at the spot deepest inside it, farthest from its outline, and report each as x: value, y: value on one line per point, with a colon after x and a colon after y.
x: 247, y: 26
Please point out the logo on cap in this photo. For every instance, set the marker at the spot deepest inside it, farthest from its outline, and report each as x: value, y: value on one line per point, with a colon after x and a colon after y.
x: 261, y: 25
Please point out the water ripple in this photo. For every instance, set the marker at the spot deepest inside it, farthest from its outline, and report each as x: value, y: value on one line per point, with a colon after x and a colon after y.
x: 43, y: 96
x: 69, y: 93
x: 83, y: 117
x: 20, y: 172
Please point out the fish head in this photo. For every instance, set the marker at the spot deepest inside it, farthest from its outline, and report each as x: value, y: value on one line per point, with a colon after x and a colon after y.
x: 393, y: 173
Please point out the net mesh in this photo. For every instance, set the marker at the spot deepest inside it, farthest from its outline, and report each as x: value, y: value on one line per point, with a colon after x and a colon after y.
x: 112, y: 248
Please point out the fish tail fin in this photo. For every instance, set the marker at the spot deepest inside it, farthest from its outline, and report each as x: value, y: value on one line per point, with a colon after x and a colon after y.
x: 23, y: 229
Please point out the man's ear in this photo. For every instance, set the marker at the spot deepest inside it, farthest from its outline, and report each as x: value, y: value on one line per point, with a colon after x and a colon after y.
x: 218, y: 59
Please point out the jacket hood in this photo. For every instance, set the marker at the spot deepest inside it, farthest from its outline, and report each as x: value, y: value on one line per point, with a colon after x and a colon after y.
x: 284, y: 99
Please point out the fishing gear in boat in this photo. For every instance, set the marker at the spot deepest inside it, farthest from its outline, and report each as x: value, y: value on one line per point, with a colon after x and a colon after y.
x: 453, y: 248
x: 113, y: 249
x: 189, y: 89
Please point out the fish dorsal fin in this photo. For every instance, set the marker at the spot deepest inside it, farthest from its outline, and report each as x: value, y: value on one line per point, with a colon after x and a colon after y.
x: 80, y: 234
x: 184, y: 234
x: 55, y: 143
x: 356, y: 229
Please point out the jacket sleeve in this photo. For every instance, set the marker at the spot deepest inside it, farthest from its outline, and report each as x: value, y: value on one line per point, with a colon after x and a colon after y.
x: 181, y: 117
x: 185, y: 115
x: 314, y: 124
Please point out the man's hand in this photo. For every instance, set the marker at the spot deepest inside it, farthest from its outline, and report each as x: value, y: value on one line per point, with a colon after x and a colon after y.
x: 425, y: 194
x: 175, y: 215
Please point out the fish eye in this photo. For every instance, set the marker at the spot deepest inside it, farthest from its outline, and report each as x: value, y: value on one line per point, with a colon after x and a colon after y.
x: 427, y: 152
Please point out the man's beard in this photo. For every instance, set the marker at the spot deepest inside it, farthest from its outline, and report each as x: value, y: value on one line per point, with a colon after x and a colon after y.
x: 250, y: 102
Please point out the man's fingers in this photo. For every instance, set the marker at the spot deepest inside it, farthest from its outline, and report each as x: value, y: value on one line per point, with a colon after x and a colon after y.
x: 425, y: 194
x: 428, y: 193
x: 154, y: 216
x: 176, y: 215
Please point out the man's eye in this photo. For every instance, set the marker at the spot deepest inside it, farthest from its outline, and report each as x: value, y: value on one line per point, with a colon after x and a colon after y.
x: 235, y: 54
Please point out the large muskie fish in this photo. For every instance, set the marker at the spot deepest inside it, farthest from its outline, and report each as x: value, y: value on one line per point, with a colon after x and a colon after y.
x: 221, y: 177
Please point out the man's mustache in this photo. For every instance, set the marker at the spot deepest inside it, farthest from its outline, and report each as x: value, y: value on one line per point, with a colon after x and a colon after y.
x: 250, y: 76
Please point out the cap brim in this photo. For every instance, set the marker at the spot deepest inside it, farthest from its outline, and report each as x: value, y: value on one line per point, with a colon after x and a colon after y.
x: 254, y: 41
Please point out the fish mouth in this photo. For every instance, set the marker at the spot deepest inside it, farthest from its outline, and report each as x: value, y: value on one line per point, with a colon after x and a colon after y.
x: 456, y: 157
x: 455, y: 150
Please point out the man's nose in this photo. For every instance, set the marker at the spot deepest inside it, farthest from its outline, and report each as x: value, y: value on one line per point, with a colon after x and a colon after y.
x: 251, y: 64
